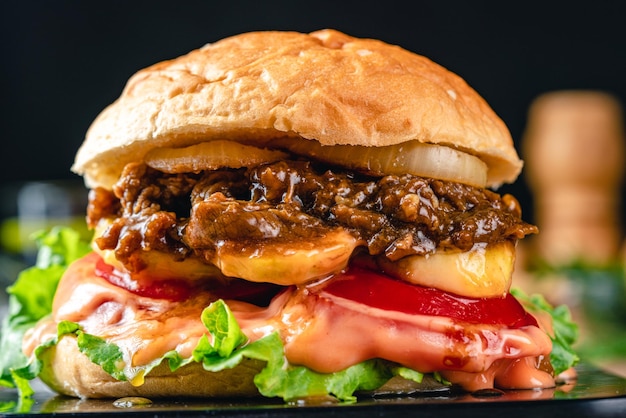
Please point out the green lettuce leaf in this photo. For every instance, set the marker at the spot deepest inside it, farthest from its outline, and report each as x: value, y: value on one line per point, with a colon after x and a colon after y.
x: 565, y: 335
x: 99, y: 351
x: 34, y: 365
x: 221, y: 323
x: 107, y: 355
x: 278, y: 378
x: 30, y: 297
x: 409, y: 374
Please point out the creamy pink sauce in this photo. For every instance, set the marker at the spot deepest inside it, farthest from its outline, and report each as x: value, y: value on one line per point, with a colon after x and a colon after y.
x: 321, y: 331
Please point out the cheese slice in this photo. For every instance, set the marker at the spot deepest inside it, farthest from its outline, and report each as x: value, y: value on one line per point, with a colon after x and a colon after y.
x: 482, y: 272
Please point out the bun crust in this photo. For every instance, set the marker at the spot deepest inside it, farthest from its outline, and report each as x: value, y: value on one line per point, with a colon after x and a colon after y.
x: 326, y: 86
x: 71, y: 373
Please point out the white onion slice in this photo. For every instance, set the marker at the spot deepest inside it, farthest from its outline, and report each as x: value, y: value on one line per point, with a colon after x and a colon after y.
x: 210, y: 155
x: 425, y: 160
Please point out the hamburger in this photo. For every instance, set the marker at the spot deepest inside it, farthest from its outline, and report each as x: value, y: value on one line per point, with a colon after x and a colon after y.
x: 294, y: 215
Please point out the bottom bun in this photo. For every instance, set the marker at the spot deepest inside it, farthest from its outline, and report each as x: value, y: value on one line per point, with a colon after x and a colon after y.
x: 69, y: 372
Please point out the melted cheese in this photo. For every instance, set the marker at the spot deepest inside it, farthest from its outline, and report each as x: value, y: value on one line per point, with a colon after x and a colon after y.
x: 484, y: 271
x: 320, y: 331
x: 288, y: 265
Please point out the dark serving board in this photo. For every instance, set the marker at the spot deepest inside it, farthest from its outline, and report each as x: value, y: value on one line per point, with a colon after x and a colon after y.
x: 595, y: 394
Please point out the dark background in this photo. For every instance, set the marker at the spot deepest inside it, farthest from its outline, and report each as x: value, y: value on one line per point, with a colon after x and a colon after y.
x: 64, y: 61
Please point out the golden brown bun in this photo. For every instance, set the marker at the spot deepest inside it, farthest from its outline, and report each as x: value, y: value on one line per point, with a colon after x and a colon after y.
x: 326, y: 86
x: 69, y: 372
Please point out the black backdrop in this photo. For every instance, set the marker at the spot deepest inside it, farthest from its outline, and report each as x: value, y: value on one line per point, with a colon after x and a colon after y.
x: 63, y: 61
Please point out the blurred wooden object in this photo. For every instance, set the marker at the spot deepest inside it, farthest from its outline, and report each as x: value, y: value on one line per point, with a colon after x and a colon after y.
x: 574, y: 152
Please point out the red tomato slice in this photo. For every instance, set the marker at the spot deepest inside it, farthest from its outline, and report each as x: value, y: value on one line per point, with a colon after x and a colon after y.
x: 179, y: 289
x: 175, y: 290
x: 379, y: 291
x: 359, y: 284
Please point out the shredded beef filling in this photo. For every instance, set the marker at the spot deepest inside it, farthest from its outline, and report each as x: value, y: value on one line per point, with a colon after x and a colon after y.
x: 395, y: 216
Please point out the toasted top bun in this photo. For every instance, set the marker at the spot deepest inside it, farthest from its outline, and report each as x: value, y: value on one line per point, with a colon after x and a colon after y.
x: 325, y: 86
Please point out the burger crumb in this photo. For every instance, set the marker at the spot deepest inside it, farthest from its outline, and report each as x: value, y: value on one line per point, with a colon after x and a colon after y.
x: 132, y: 402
